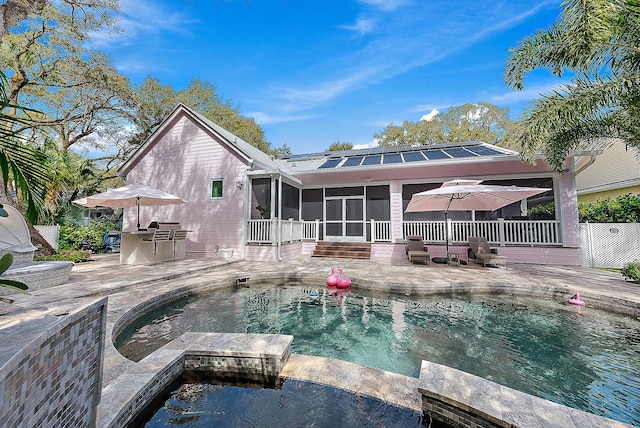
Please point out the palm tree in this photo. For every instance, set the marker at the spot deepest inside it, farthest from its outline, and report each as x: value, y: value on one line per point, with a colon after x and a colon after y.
x: 599, y: 42
x: 22, y: 167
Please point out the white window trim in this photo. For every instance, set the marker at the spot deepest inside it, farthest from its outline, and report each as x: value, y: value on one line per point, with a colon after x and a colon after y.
x: 211, y: 181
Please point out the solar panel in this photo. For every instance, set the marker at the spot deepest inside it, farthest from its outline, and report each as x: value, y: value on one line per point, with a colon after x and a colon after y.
x: 372, y: 160
x: 484, y: 151
x: 392, y: 158
x: 413, y: 157
x: 354, y: 161
x: 435, y: 154
x: 459, y: 153
x: 331, y: 163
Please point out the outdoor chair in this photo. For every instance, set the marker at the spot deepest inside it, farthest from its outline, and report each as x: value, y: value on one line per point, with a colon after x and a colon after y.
x: 158, y: 236
x: 416, y: 250
x: 179, y: 237
x: 480, y: 251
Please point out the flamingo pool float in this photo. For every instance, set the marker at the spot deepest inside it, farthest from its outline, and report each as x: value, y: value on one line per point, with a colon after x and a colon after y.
x: 343, y: 281
x: 575, y: 300
x: 332, y: 280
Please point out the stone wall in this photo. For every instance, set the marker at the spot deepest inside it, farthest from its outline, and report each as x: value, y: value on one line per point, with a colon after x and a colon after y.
x: 51, y: 369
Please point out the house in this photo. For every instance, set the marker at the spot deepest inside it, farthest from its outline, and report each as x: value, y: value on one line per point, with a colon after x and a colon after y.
x: 614, y: 172
x: 242, y: 200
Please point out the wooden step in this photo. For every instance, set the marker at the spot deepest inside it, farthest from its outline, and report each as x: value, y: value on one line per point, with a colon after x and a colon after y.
x: 350, y: 250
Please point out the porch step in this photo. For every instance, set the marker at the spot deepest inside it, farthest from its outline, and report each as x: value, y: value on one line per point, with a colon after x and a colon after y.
x: 348, y: 250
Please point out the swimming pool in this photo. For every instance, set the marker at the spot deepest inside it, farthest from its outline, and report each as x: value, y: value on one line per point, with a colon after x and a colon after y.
x: 587, y: 361
x: 293, y: 404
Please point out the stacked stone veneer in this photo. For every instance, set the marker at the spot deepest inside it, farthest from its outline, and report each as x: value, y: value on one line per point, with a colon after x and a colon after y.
x: 37, y: 275
x: 460, y: 399
x: 214, y: 355
x: 51, y: 369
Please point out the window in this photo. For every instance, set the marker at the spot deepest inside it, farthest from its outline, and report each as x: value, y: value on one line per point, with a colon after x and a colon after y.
x: 216, y: 188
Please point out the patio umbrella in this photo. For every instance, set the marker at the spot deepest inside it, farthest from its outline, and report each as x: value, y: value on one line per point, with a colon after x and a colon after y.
x: 469, y: 195
x: 132, y: 195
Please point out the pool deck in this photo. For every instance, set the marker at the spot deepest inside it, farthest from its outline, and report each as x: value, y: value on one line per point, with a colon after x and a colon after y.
x: 127, y: 286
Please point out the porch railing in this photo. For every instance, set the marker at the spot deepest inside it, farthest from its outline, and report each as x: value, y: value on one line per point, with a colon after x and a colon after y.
x: 502, y: 232
x: 265, y: 231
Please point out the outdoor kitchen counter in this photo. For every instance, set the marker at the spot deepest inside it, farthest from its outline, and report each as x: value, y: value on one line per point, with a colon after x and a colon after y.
x: 136, y: 248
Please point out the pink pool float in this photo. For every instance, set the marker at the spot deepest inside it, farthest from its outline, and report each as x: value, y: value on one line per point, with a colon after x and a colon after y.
x: 332, y: 280
x: 575, y: 300
x: 343, y: 281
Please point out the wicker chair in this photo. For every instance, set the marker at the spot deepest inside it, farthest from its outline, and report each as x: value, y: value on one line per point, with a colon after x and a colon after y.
x: 480, y: 251
x: 416, y: 250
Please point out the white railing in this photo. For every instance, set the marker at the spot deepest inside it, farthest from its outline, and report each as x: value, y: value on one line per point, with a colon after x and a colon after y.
x: 265, y: 231
x: 502, y: 232
x: 380, y: 231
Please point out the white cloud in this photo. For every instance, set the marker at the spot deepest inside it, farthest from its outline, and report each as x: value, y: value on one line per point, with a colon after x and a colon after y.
x: 140, y: 20
x: 429, y: 116
x: 526, y: 94
x: 386, y: 5
x: 368, y: 145
x: 268, y: 119
x: 362, y: 26
x: 414, y: 36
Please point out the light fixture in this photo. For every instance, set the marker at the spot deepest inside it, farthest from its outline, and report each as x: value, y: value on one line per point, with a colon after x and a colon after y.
x: 240, y: 183
x: 3, y: 212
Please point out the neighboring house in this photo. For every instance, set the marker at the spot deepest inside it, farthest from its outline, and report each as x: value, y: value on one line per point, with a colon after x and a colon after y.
x: 614, y: 172
x: 241, y: 199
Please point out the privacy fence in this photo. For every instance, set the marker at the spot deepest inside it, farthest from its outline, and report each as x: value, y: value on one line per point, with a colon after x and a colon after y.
x: 609, y: 245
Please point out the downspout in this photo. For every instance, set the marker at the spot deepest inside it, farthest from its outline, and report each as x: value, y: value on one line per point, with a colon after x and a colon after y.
x: 591, y: 160
x: 279, y: 215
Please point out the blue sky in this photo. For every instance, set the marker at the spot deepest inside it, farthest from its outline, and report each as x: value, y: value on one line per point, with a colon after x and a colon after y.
x: 313, y: 72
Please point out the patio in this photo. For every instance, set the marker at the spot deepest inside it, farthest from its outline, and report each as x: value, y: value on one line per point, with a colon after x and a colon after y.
x: 129, y: 286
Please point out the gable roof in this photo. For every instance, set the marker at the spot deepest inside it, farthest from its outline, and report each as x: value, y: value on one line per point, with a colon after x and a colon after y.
x: 251, y: 154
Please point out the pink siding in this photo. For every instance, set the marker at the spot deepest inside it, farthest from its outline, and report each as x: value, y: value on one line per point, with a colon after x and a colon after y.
x: 260, y: 253
x: 269, y: 253
x: 182, y: 161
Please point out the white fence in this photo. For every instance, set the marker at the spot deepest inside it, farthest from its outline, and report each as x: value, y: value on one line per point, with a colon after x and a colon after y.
x: 502, y: 232
x: 50, y: 234
x: 609, y: 245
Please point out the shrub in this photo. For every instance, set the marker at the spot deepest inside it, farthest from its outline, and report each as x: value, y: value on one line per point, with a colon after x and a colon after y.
x: 73, y: 234
x: 75, y: 256
x: 631, y: 271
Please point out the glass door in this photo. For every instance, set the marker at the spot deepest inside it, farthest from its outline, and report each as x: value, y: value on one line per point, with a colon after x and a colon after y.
x: 344, y: 218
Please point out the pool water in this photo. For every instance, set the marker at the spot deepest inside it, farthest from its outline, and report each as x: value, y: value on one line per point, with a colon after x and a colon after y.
x: 587, y: 360
x: 295, y: 404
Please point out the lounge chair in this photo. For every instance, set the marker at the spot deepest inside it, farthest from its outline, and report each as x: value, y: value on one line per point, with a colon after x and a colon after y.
x: 15, y: 238
x: 416, y: 250
x: 480, y: 251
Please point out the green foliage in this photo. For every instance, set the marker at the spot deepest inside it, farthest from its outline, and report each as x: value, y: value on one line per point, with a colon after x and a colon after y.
x: 542, y: 211
x: 621, y: 209
x: 279, y: 152
x: 340, y: 146
x: 631, y: 271
x: 73, y: 234
x: 598, y: 42
x: 469, y: 122
x: 75, y: 256
x: 156, y: 101
x: 5, y: 263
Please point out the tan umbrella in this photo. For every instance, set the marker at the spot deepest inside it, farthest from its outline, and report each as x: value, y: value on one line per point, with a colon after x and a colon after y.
x: 469, y: 195
x: 129, y: 196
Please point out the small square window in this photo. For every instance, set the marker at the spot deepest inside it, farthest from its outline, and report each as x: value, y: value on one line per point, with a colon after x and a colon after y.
x: 216, y: 189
